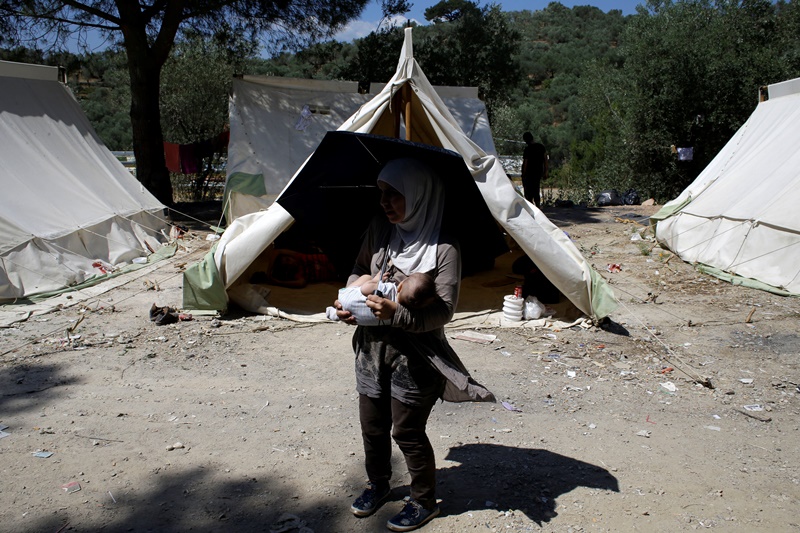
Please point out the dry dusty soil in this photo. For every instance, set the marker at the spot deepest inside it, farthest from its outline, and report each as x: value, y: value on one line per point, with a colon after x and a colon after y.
x: 243, y: 424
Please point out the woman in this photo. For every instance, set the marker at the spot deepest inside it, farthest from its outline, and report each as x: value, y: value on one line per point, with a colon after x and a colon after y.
x: 403, y: 368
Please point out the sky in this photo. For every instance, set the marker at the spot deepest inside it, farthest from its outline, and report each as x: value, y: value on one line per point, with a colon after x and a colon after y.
x: 371, y: 17
x: 372, y: 13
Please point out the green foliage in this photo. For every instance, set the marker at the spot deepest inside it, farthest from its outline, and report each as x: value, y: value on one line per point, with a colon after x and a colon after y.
x: 556, y: 45
x: 451, y: 10
x: 476, y: 49
x: 195, y: 84
x: 102, y: 86
x: 21, y: 54
x: 787, y: 28
x: 608, y: 95
x: 601, y: 156
x: 690, y: 78
x: 375, y: 57
x: 506, y: 125
x: 325, y: 60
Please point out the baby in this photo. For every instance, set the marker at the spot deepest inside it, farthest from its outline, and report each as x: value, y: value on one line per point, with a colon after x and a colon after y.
x: 415, y: 292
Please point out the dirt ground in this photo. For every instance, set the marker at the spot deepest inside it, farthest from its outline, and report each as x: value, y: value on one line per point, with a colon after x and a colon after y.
x: 241, y: 423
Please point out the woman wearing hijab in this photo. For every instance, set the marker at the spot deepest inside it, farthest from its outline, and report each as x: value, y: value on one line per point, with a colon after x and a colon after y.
x: 403, y: 368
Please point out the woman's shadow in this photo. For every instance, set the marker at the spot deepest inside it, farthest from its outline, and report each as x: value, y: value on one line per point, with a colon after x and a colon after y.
x: 492, y: 476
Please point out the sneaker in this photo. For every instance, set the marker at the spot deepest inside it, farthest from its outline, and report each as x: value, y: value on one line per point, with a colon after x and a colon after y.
x: 370, y: 499
x: 413, y: 516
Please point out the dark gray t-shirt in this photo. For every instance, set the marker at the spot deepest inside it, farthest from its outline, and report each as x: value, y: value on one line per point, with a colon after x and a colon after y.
x: 411, y: 359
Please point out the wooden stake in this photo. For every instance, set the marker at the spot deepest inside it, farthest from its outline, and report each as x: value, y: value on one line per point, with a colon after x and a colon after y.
x: 407, y: 109
x: 396, y: 108
x: 749, y: 316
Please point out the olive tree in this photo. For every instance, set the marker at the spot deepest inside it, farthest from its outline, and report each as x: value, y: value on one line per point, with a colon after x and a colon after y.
x: 690, y: 77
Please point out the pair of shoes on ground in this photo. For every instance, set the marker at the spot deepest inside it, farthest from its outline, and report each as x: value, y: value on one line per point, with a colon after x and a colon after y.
x: 413, y: 515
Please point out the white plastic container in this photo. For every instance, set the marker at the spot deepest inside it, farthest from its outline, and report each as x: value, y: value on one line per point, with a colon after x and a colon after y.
x: 513, y: 308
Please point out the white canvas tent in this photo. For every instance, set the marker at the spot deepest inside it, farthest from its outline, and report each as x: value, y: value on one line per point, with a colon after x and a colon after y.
x: 428, y: 120
x: 276, y: 123
x: 738, y: 220
x: 67, y: 202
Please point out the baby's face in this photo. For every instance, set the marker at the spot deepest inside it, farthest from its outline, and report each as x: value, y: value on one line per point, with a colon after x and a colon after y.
x: 401, y: 298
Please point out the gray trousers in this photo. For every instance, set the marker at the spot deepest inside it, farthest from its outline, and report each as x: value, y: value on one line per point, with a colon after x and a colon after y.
x: 383, y: 419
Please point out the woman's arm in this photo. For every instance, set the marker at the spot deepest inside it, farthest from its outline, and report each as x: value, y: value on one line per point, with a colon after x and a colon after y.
x: 448, y: 282
x: 365, y: 260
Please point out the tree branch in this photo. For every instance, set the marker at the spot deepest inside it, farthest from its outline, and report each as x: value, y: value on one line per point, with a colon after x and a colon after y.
x: 92, y: 11
x: 60, y: 20
x: 173, y: 17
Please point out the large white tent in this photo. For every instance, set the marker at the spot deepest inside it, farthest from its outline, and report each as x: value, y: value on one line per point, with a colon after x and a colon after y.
x: 408, y: 95
x: 69, y: 209
x: 276, y: 123
x: 738, y: 220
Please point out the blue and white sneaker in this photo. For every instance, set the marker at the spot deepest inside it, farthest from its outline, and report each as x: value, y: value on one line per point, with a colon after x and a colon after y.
x: 413, y: 516
x: 370, y: 499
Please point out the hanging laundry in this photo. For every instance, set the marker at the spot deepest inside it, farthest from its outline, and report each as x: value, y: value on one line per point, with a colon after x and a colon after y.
x: 685, y: 154
x: 173, y: 157
x: 188, y: 158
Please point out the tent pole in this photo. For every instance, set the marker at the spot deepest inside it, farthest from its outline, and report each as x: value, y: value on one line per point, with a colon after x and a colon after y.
x: 407, y: 109
x: 397, y: 101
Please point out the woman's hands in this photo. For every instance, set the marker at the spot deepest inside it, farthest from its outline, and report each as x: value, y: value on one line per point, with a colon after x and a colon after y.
x: 345, y: 316
x: 382, y: 308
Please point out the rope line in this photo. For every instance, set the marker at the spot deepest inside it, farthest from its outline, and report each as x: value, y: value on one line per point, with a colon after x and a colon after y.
x: 96, y: 299
x: 77, y: 272
x: 691, y: 374
x: 723, y: 232
x: 203, y: 222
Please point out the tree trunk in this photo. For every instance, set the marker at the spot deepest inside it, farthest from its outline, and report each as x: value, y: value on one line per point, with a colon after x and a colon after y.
x: 148, y: 141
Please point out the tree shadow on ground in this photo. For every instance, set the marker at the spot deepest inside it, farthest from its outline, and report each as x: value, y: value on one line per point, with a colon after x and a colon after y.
x: 197, y: 215
x: 197, y: 500
x: 493, y: 476
x: 567, y: 216
x: 27, y: 387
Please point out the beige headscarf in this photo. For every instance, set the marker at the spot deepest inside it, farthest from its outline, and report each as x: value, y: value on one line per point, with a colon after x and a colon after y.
x: 414, y: 241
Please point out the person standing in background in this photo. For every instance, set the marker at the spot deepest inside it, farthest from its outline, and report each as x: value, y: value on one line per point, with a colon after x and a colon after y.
x: 534, y: 168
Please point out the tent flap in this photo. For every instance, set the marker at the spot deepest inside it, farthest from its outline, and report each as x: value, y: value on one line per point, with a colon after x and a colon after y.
x: 202, y: 286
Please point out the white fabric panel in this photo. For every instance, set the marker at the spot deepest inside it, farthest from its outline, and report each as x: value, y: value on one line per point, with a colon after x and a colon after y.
x: 243, y: 204
x: 24, y: 70
x: 784, y: 88
x: 265, y: 135
x: 66, y: 199
x: 741, y: 215
x: 328, y: 86
x: 246, y: 238
x: 542, y: 241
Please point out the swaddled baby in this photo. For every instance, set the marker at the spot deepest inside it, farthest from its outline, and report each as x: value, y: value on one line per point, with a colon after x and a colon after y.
x: 415, y: 292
